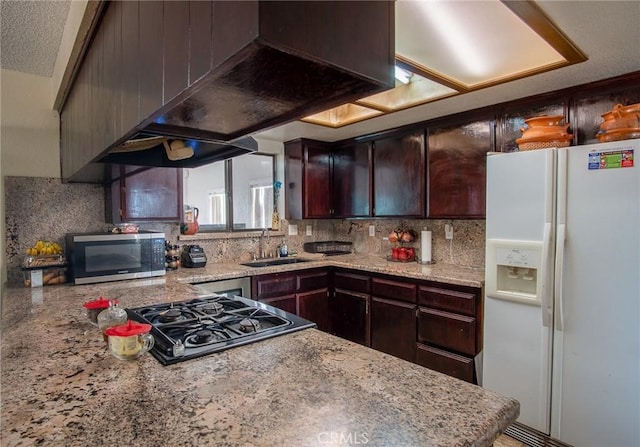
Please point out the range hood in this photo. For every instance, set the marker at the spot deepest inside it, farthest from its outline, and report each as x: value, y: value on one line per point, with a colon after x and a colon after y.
x: 209, y: 74
x: 176, y: 152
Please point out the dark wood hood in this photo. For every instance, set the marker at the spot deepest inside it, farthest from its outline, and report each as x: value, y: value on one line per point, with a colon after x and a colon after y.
x: 218, y: 71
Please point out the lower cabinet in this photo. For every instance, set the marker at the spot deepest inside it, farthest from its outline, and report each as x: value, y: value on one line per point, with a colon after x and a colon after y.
x: 449, y: 329
x: 446, y: 362
x: 393, y: 317
x: 349, y: 307
x: 435, y: 325
x: 393, y: 328
x: 304, y: 293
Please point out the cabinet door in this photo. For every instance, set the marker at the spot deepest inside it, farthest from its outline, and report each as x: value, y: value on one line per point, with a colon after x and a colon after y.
x: 288, y: 303
x: 457, y: 170
x: 314, y: 306
x: 352, y: 181
x: 399, y: 176
x: 447, y: 330
x: 393, y: 328
x: 447, y: 363
x: 151, y: 195
x: 307, y: 172
x: 350, y: 316
x: 317, y: 182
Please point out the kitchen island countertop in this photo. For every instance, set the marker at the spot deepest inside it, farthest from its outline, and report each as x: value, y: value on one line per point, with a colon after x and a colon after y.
x: 60, y: 386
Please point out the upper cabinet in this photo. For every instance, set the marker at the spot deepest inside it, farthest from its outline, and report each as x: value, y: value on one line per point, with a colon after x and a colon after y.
x: 380, y: 178
x: 352, y: 174
x: 217, y: 70
x: 398, y: 176
x: 307, y: 179
x: 145, y: 195
x: 457, y: 169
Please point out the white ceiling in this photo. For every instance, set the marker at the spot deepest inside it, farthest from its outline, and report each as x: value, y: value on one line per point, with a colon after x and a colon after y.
x: 608, y: 32
x: 31, y: 34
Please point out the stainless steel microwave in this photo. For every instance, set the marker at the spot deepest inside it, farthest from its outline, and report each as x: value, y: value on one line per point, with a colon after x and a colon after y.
x: 101, y: 257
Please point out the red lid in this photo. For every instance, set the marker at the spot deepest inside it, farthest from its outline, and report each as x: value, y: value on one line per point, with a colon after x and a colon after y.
x: 98, y: 304
x: 128, y: 329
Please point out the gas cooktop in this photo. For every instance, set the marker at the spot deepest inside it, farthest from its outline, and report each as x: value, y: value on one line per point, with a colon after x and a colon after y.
x: 188, y: 329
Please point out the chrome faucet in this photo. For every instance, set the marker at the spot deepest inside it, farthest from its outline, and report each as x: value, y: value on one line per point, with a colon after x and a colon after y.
x: 262, y: 252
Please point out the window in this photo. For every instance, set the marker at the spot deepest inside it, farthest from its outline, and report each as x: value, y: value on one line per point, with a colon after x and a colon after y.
x: 218, y: 214
x: 235, y: 194
x: 261, y: 206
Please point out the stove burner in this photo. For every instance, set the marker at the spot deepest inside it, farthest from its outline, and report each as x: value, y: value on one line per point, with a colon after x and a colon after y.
x: 249, y: 325
x: 202, y: 336
x: 213, y: 308
x: 170, y: 315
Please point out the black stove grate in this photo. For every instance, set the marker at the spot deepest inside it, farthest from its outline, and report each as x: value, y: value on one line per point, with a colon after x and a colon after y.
x: 201, y: 326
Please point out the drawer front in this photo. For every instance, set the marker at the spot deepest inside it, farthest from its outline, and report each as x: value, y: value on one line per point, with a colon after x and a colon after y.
x: 315, y: 280
x: 394, y: 290
x: 447, y: 330
x: 288, y: 303
x: 352, y: 281
x: 445, y: 299
x: 268, y: 286
x: 445, y: 362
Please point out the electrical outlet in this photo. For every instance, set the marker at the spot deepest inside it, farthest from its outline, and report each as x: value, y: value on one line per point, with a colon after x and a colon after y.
x: 293, y: 230
x: 309, y: 230
x: 372, y: 230
x: 448, y: 232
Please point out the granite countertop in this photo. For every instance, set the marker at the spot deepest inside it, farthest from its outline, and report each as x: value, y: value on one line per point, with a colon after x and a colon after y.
x: 60, y: 386
x: 446, y: 273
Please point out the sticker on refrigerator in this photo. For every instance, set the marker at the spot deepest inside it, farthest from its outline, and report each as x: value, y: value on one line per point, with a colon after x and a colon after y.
x: 611, y: 159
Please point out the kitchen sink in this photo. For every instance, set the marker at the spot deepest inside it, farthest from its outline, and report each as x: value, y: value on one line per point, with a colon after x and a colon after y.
x: 276, y: 261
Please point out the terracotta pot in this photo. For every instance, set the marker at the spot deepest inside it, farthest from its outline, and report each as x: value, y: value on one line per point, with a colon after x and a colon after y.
x: 544, y: 131
x: 621, y: 117
x: 544, y: 121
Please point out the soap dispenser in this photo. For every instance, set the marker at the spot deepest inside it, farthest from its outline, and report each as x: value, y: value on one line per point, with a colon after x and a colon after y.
x: 284, y: 251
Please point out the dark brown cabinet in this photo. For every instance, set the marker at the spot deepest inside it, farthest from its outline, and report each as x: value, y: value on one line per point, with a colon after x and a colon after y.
x: 307, y: 179
x: 393, y: 317
x: 277, y: 290
x: 449, y: 329
x: 312, y: 291
x: 399, y: 176
x: 457, y: 169
x: 349, y: 307
x: 352, y: 180
x: 304, y: 293
x: 145, y: 195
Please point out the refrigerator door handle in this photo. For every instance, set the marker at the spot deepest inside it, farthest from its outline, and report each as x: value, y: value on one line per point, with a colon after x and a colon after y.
x: 545, y: 300
x: 562, y: 231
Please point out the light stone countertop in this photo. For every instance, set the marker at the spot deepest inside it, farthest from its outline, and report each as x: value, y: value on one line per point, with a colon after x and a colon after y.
x: 60, y: 386
x: 445, y: 273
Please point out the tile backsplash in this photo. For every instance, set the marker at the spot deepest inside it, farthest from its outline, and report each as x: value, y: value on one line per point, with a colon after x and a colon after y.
x: 45, y: 208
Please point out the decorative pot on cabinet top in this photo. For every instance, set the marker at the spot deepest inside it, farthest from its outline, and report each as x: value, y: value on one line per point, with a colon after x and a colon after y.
x: 544, y: 131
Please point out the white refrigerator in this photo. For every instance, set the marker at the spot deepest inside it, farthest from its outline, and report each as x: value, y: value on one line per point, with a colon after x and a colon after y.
x: 562, y: 290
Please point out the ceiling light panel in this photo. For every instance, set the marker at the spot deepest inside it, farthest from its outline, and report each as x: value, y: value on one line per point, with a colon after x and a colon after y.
x: 472, y: 42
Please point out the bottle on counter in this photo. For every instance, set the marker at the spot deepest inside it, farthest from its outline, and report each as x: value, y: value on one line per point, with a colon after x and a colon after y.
x: 283, y: 250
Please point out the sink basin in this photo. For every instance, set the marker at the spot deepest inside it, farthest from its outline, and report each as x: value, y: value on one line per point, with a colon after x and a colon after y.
x: 276, y: 261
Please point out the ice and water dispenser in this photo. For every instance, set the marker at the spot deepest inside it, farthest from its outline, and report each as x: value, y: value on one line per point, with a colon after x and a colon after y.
x: 514, y: 270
